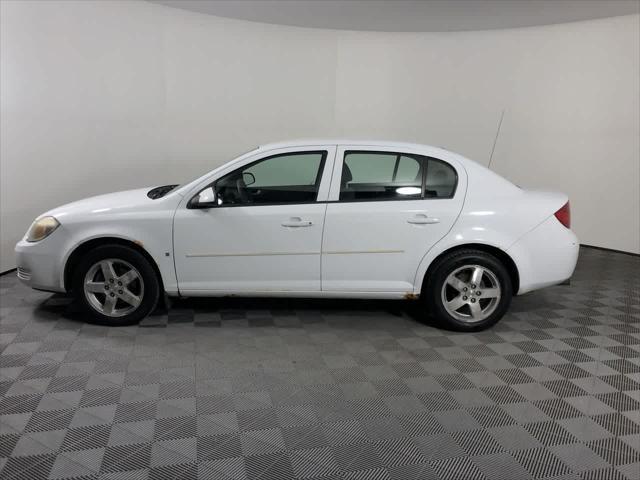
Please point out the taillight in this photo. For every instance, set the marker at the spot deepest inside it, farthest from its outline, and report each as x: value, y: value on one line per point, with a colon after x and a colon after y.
x: 564, y: 215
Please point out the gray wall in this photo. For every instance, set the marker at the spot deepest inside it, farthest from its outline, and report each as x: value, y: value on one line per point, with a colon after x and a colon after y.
x: 106, y: 96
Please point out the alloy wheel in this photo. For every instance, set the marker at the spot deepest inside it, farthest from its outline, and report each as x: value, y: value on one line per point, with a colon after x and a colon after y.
x: 471, y: 293
x: 113, y: 287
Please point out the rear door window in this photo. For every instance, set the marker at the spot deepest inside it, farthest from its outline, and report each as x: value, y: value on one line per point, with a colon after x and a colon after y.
x: 380, y: 176
x: 368, y: 175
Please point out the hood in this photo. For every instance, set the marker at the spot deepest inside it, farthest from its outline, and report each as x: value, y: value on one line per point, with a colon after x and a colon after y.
x: 110, y: 202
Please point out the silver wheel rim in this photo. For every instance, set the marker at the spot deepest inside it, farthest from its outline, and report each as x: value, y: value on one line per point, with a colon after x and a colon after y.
x: 471, y: 293
x: 113, y: 287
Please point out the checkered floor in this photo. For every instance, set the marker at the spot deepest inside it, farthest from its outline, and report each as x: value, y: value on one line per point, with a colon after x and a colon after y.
x: 278, y: 389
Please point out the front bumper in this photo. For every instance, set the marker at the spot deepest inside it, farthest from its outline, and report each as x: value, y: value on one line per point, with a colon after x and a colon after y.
x: 39, y: 264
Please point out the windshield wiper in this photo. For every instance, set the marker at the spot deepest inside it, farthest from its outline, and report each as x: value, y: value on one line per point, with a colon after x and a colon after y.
x: 160, y: 192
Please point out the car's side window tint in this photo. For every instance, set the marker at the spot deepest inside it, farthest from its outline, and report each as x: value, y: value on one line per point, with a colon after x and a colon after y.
x: 286, y: 178
x: 441, y: 180
x: 381, y: 176
x: 370, y: 167
x: 408, y: 169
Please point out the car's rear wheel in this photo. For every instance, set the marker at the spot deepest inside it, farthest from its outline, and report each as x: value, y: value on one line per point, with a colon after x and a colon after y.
x: 115, y: 285
x: 468, y: 290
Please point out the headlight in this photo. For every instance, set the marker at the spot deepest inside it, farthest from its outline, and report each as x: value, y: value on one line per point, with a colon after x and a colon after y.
x: 42, y: 228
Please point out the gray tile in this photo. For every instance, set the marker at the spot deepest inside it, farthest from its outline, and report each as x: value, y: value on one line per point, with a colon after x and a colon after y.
x: 585, y: 428
x: 579, y: 457
x: 501, y: 465
x: 315, y: 462
x: 514, y: 437
x: 286, y: 388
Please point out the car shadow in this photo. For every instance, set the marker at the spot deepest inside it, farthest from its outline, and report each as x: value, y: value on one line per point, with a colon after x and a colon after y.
x: 332, y: 310
x: 184, y: 310
x: 261, y: 311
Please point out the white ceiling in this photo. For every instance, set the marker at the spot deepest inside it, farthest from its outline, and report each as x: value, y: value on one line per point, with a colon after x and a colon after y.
x: 410, y: 15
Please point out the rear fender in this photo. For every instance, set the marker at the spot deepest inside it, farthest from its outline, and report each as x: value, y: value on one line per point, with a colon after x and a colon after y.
x: 545, y: 256
x: 497, y: 221
x: 459, y: 238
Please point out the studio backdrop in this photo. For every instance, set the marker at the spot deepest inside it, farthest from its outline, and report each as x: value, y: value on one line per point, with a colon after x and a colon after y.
x: 100, y: 96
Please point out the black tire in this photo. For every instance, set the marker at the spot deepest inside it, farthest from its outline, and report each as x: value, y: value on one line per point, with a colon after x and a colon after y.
x: 433, y: 286
x: 150, y: 294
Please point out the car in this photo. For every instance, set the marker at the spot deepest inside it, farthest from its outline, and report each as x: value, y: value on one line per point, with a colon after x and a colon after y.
x: 317, y: 218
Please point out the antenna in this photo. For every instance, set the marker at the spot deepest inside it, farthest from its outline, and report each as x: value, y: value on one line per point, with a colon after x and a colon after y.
x: 495, y: 140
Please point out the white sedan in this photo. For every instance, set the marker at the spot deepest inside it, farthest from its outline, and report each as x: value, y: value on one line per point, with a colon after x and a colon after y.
x: 347, y: 219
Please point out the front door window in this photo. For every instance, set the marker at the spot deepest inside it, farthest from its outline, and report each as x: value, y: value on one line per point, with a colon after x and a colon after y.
x: 290, y: 178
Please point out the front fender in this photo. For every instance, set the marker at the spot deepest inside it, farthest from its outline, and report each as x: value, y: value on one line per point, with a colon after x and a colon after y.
x: 155, y: 237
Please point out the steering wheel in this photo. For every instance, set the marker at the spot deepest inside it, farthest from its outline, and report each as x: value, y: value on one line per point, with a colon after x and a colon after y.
x: 241, y: 187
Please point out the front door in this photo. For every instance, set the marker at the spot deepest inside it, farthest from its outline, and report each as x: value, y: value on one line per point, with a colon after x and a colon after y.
x: 386, y: 210
x: 264, y: 233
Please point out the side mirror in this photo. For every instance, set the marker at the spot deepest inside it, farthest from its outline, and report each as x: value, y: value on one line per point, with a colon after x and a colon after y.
x: 248, y: 178
x: 205, y: 199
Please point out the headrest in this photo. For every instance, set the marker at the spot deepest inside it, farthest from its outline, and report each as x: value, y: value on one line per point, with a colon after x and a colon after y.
x: 346, y: 174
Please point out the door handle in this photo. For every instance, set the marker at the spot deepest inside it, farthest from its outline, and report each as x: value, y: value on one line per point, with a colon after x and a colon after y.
x: 423, y: 219
x: 297, y: 222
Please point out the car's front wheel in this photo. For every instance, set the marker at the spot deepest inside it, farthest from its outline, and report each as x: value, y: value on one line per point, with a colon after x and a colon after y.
x: 115, y: 285
x: 468, y: 290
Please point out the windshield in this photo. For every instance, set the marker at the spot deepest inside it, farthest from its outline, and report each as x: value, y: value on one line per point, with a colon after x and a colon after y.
x: 195, y: 181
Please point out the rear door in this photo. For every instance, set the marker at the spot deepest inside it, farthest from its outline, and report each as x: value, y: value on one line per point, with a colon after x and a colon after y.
x: 386, y: 209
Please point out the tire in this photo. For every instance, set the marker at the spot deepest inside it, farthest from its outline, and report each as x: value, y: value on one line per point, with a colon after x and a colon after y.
x: 491, y: 298
x: 128, y: 292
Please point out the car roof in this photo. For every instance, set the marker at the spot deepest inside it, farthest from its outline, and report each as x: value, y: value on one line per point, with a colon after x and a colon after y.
x: 422, y: 149
x: 428, y: 150
x: 346, y: 141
